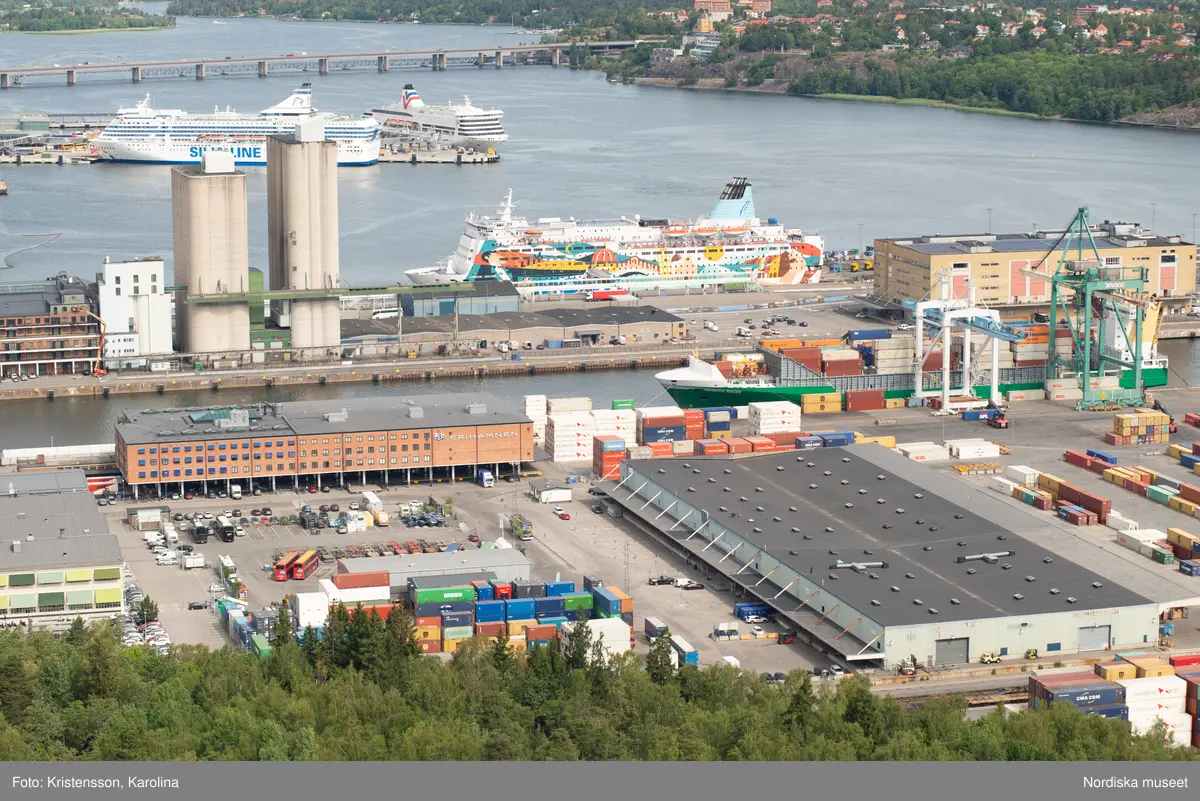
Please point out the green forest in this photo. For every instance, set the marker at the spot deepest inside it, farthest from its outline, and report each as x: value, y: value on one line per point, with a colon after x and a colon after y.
x: 362, y: 692
x: 1099, y: 88
x: 76, y: 15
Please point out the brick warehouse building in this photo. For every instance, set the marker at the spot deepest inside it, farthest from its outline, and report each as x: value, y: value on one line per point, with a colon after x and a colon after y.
x: 47, y: 328
x: 318, y: 442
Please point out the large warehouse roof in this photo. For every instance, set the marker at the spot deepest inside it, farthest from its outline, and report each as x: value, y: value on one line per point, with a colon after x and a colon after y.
x: 950, y: 553
x: 452, y: 562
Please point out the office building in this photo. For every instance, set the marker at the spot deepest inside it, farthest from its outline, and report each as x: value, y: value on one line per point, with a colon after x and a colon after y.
x: 48, y: 328
x: 59, y: 560
x: 382, y: 439
x: 910, y: 268
x: 208, y: 217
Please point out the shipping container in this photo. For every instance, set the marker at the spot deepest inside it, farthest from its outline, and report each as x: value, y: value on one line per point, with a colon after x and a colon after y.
x: 442, y: 594
x: 520, y: 609
x: 655, y: 628
x: 683, y: 649
x: 549, y: 607
x: 489, y: 611
x: 559, y: 587
x: 454, y: 619
x: 436, y: 609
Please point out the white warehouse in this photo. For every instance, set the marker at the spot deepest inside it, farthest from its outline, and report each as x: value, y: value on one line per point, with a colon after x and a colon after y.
x: 877, y: 558
x: 136, y: 310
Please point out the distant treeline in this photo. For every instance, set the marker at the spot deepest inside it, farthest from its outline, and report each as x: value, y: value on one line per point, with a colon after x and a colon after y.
x: 85, y: 17
x: 362, y: 692
x: 1098, y: 87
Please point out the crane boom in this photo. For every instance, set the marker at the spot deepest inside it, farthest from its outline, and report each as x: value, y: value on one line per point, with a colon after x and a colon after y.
x: 96, y: 369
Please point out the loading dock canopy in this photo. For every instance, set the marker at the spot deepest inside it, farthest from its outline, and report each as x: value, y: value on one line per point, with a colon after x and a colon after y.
x: 897, y: 541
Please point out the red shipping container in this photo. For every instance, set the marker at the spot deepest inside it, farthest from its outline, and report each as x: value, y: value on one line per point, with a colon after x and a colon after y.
x: 693, y: 415
x: 739, y: 445
x: 1069, y: 493
x: 428, y: 622
x: 489, y: 629
x: 546, y: 632
x: 865, y: 396
x: 502, y: 591
x: 1095, y: 504
x: 1189, y: 492
x: 664, y: 421
x: 1191, y: 418
x: 1078, y: 459
x: 354, y: 581
x: 933, y: 361
x: 724, y: 368
x: 1042, y: 504
x: 429, y: 646
x: 1133, y: 485
x: 1029, y: 363
x: 1184, y: 660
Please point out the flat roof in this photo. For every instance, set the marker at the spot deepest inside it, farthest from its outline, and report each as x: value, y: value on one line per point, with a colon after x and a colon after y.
x: 61, y: 515
x: 546, y: 318
x: 1022, y: 243
x: 452, y: 562
x: 309, y: 417
x: 612, y: 315
x: 867, y: 504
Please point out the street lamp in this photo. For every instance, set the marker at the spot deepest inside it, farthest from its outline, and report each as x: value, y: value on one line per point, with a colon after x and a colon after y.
x: 989, y: 229
x: 1153, y: 215
x: 860, y: 239
x: 1193, y: 227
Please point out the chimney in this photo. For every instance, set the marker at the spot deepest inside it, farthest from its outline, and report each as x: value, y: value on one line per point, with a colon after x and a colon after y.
x: 16, y: 546
x: 29, y: 538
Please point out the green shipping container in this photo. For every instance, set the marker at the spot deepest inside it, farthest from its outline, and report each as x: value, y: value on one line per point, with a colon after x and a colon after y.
x: 1158, y: 495
x: 458, y: 632
x: 578, y: 600
x: 438, y: 595
x: 260, y: 646
x: 1163, y: 557
x: 622, y: 404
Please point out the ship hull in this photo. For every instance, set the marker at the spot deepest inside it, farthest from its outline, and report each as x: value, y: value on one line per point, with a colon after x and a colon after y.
x: 246, y: 152
x: 692, y: 397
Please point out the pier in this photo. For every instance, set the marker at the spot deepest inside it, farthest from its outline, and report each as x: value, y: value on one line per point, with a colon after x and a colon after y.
x: 441, y: 59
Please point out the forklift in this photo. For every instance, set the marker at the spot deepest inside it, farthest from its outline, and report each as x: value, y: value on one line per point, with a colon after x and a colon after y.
x: 1157, y: 406
x: 1000, y: 418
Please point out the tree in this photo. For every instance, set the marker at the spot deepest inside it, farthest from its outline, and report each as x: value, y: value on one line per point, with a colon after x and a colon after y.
x: 659, y: 664
x: 77, y: 634
x: 578, y: 647
x: 502, y: 655
x: 284, y: 633
x: 147, y: 611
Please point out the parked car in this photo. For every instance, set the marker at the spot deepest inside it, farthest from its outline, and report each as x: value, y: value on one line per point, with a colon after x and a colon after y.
x: 659, y: 581
x: 755, y: 619
x: 597, y: 509
x: 688, y: 584
x: 324, y: 489
x: 836, y: 671
x: 216, y: 588
x: 564, y: 516
x: 196, y: 605
x: 904, y: 327
x: 558, y: 510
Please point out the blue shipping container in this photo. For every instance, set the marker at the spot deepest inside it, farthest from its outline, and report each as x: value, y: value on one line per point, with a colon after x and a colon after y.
x: 559, y: 587
x: 1108, y: 711
x: 664, y: 434
x: 835, y: 440
x: 1189, y: 567
x: 1097, y: 694
x: 687, y: 654
x: 744, y: 608
x: 451, y: 619
x: 715, y: 426
x: 809, y: 443
x: 436, y: 609
x: 548, y: 607
x: 869, y: 333
x: 553, y: 621
x: 606, y: 601
x: 655, y: 627
x: 519, y: 609
x: 1188, y: 460
x: 612, y: 445
x: 489, y: 611
x: 970, y: 414
x: 484, y: 592
x: 1167, y: 628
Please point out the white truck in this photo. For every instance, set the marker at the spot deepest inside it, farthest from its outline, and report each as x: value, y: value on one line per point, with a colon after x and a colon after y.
x: 371, y: 502
x: 743, y: 331
x: 193, y: 560
x: 235, y: 491
x: 709, y: 325
x: 484, y: 477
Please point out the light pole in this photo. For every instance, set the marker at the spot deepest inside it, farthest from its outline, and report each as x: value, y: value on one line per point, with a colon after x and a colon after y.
x: 1153, y: 215
x: 989, y: 230
x: 1193, y: 227
x: 860, y: 239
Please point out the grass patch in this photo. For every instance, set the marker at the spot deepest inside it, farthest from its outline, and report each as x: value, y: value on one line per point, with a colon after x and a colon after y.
x: 917, y: 101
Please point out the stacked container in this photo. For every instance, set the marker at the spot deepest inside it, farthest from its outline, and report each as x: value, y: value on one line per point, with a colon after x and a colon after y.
x: 841, y: 362
x: 924, y: 451
x: 693, y: 423
x: 710, y: 447
x: 559, y: 405
x: 821, y: 402
x: 865, y: 400
x: 620, y: 423
x: 535, y: 410
x: 1140, y: 427
x: 1159, y: 698
x: 895, y: 355
x: 774, y: 417
x: 661, y: 424
x: 569, y: 436
x: 806, y: 356
x: 607, y: 454
x: 973, y: 448
x: 717, y: 423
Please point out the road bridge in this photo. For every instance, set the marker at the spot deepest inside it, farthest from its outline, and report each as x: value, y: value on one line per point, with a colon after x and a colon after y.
x: 438, y: 59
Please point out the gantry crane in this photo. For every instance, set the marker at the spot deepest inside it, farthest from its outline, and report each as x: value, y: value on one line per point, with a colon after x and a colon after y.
x: 96, y: 369
x: 1087, y: 296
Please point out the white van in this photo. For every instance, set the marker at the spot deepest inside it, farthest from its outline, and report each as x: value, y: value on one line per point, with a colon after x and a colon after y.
x: 168, y: 559
x: 709, y: 325
x: 235, y: 491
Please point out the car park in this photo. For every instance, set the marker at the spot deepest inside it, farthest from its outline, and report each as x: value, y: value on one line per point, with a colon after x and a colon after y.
x: 216, y: 588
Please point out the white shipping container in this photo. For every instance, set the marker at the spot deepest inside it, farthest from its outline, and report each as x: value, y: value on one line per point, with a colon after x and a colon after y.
x: 933, y: 453
x: 981, y: 451
x: 657, y: 411
x: 1064, y: 395
x: 1023, y: 475
x: 1016, y: 396
x: 742, y: 412
x: 1153, y: 688
x: 1105, y: 382
x: 840, y: 355
x: 612, y: 632
x: 682, y: 447
x: 1164, y: 706
x: 1003, y: 485
x: 1118, y: 522
x: 1062, y: 383
x: 1179, y: 726
x: 554, y: 405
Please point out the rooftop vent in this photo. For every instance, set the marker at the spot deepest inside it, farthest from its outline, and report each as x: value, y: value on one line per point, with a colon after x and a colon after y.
x: 875, y: 603
x: 909, y: 576
x: 1030, y: 578
x: 691, y: 489
x: 833, y: 576
x: 845, y: 458
x: 1097, y: 584
x: 829, y: 529
x: 881, y: 477
x: 958, y: 516
x: 416, y: 412
x: 759, y: 509
x: 695, y: 472
x: 757, y: 530
x: 918, y: 602
x: 16, y: 546
x: 900, y: 511
x: 812, y: 486
x: 712, y: 481
x: 955, y: 602
x: 990, y: 558
x: 1054, y: 590
x: 873, y: 576
x: 919, y: 495
x: 932, y: 611
x: 795, y: 530
x: 812, y: 464
x: 662, y: 472
x: 1048, y: 560
x: 780, y: 468
x: 961, y: 543
x: 1071, y: 599
x: 970, y: 571
x: 1006, y: 566
x: 887, y: 525
x: 1018, y: 596
x: 845, y: 481
x: 862, y: 492
x: 894, y: 588
x: 833, y: 553
x: 849, y: 506
x: 927, y: 548
x: 727, y: 471
x: 792, y: 509
x: 933, y: 528
x: 758, y: 489
x: 808, y: 536
x: 777, y: 519
x: 829, y: 472
x: 722, y: 509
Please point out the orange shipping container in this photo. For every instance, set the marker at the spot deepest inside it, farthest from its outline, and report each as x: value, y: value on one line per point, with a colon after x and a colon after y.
x: 428, y: 622
x: 429, y: 646
x: 739, y: 445
x: 354, y: 581
x: 822, y: 343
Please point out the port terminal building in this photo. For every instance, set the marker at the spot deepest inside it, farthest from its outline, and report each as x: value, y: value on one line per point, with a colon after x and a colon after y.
x: 60, y: 561
x: 392, y: 439
x: 875, y: 558
x: 909, y: 268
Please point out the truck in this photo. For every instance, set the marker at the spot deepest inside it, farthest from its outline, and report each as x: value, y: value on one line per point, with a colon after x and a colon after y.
x: 747, y: 609
x: 709, y: 325
x: 484, y: 477
x: 604, y: 294
x: 520, y: 528
x: 371, y: 502
x: 381, y: 518
x: 193, y: 560
x: 235, y: 491
x: 743, y: 331
x: 655, y: 628
x: 684, y: 651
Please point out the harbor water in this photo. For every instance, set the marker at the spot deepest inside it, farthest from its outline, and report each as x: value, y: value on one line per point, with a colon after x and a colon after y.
x: 579, y: 147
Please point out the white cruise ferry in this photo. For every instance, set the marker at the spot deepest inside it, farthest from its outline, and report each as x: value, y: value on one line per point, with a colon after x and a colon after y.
x: 173, y: 136
x: 731, y: 244
x: 463, y: 124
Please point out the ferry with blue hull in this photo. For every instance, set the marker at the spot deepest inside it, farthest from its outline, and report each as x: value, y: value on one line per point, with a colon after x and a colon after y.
x: 144, y: 134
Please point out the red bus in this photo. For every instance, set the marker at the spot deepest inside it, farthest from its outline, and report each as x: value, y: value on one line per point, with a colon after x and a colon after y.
x: 305, y: 565
x: 283, y: 568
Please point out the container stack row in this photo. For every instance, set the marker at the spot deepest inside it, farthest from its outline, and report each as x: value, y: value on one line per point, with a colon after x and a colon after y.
x: 774, y: 417
x: 1139, y: 427
x: 607, y: 454
x: 535, y: 410
x: 242, y: 628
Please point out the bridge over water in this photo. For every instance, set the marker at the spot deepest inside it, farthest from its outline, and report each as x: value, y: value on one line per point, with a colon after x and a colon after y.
x: 321, y: 64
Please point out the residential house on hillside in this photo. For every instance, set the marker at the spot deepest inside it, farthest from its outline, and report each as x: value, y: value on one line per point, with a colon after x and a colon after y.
x: 1038, y: 32
x: 1100, y: 31
x: 895, y: 5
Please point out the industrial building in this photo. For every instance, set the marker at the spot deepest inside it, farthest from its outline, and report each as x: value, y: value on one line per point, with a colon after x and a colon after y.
x: 506, y: 564
x: 908, y: 268
x: 314, y: 442
x: 59, y: 560
x: 135, y: 307
x: 302, y: 233
x: 876, y: 558
x: 208, y: 219
x: 48, y: 328
x: 550, y: 327
x: 480, y: 297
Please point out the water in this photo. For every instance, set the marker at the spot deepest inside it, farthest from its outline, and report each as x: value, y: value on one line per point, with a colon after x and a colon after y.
x: 579, y: 147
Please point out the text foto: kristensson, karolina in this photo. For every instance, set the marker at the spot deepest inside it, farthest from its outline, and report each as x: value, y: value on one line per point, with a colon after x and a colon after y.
x: 1130, y: 782
x: 77, y: 783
